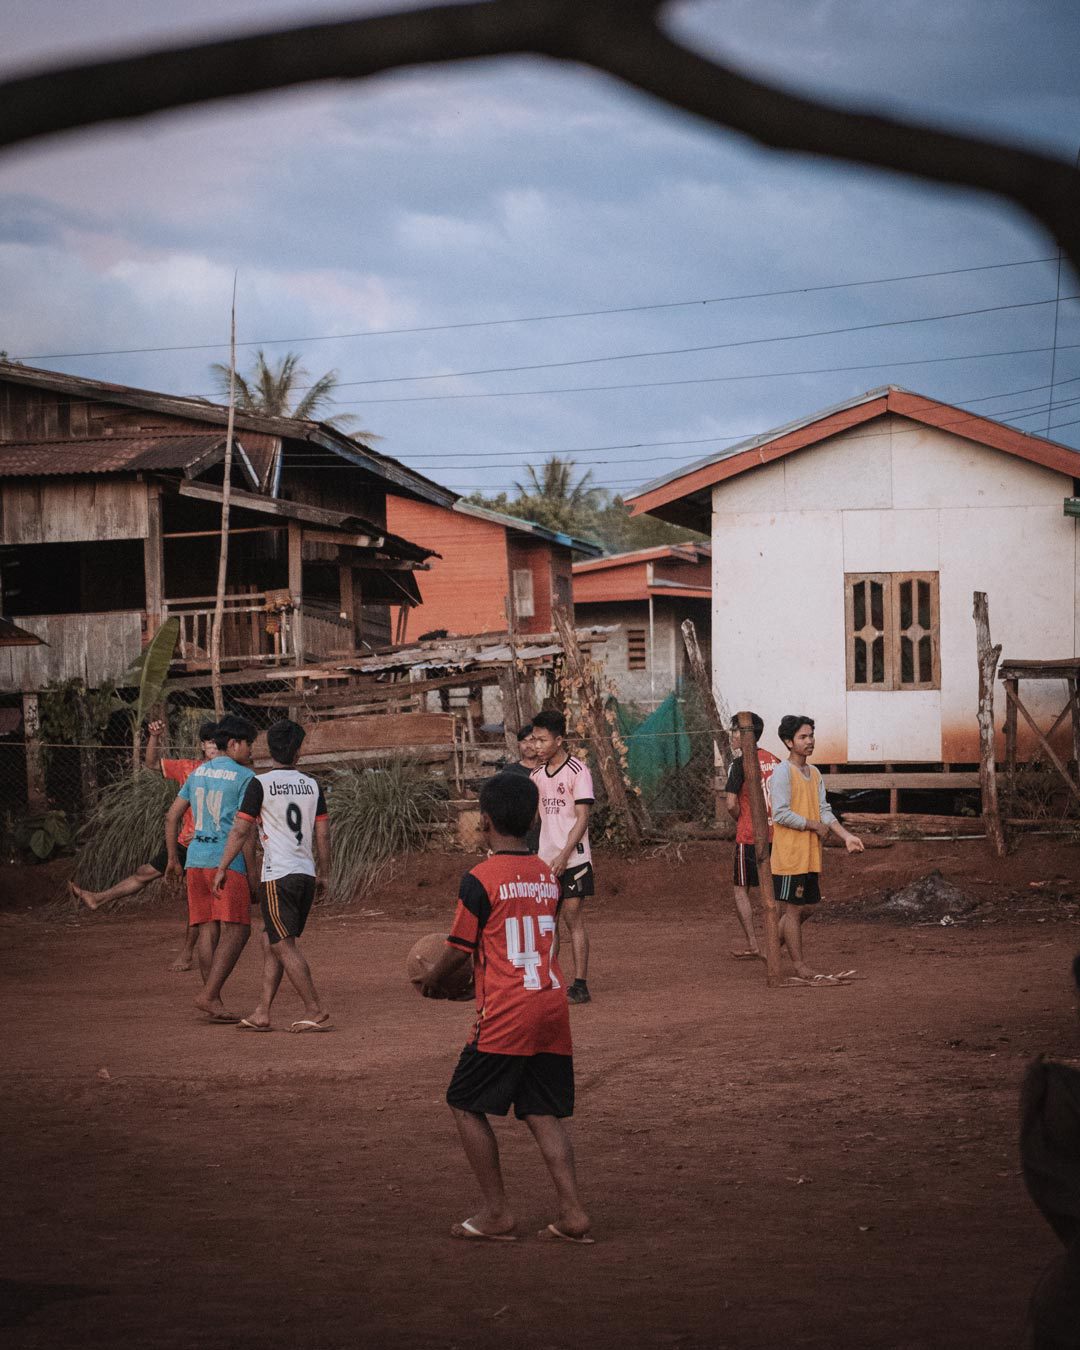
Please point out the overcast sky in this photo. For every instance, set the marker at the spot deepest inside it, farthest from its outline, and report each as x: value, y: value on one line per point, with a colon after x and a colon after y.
x: 516, y: 189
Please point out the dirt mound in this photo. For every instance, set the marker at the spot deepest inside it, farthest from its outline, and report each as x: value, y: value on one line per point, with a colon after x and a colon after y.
x: 928, y: 899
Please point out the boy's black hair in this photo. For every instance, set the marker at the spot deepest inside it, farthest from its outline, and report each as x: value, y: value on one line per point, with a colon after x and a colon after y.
x: 790, y: 725
x: 284, y: 739
x: 233, y: 728
x: 551, y: 720
x: 526, y: 730
x: 207, y: 731
x: 755, y: 721
x: 509, y: 800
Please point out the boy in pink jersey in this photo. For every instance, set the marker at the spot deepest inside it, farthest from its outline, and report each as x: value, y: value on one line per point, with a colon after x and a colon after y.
x: 566, y: 798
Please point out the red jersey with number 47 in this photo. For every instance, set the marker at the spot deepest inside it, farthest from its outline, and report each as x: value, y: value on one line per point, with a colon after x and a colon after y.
x: 506, y: 917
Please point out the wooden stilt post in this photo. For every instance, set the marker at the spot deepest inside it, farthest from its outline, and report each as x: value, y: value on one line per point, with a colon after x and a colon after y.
x: 36, y: 799
x: 223, y: 553
x: 1010, y: 744
x: 988, y: 656
x: 760, y: 816
x: 630, y: 808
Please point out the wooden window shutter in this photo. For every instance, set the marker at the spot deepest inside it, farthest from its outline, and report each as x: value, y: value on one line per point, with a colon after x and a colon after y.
x: 523, y: 593
x: 636, y: 649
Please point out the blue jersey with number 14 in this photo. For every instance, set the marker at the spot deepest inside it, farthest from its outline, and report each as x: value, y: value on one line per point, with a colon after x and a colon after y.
x: 214, y: 792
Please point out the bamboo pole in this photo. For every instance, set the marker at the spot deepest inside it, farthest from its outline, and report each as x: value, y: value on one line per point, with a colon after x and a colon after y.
x: 223, y: 552
x: 759, y: 814
x: 700, y: 676
x: 988, y: 657
x: 630, y: 808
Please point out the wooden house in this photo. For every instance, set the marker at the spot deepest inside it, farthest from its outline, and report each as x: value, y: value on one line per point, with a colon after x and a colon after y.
x: 846, y: 548
x: 645, y: 596
x: 489, y: 563
x: 110, y: 521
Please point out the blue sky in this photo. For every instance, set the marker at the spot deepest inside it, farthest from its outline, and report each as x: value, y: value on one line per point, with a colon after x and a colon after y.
x: 515, y: 189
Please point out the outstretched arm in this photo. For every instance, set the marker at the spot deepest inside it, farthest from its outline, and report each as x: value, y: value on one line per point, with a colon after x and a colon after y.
x: 154, y: 732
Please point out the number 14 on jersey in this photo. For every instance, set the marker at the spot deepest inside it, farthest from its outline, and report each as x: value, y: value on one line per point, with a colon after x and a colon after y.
x: 522, y: 949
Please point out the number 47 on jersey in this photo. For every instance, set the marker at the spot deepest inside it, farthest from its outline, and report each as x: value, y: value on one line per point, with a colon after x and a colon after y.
x: 522, y: 949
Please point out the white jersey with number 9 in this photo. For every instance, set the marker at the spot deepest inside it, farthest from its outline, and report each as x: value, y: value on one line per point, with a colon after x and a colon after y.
x: 287, y: 804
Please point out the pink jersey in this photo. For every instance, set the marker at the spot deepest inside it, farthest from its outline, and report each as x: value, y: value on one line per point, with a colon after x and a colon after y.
x: 559, y: 793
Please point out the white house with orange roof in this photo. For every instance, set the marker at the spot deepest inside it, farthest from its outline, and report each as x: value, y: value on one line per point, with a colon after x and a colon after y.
x: 846, y: 548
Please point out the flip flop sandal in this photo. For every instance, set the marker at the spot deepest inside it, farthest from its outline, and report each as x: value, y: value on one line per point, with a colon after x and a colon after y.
x: 470, y: 1233
x: 306, y: 1024
x: 245, y: 1025
x: 553, y: 1234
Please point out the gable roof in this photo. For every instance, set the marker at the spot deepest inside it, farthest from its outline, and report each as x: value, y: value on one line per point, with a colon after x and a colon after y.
x: 684, y: 496
x: 680, y: 553
x: 320, y: 434
x: 529, y: 527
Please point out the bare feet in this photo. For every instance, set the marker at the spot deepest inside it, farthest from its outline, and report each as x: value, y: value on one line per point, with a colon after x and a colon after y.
x: 319, y: 1021
x: 747, y: 954
x: 182, y: 962
x: 213, y: 1008
x: 89, y: 898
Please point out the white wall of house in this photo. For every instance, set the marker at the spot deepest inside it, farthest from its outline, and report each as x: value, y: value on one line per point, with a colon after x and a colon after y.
x: 890, y: 496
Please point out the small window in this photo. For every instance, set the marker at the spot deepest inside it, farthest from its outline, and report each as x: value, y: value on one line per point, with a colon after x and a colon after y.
x: 893, y: 638
x: 636, y: 650
x: 523, y: 593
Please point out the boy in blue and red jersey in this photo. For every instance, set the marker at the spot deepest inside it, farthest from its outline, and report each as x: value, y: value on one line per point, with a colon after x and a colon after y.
x: 519, y: 1053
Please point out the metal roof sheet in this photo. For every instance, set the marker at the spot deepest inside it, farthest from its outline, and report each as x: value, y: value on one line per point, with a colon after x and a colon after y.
x: 104, y: 454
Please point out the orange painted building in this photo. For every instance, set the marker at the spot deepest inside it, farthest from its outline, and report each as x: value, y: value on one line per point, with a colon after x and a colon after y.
x: 486, y: 559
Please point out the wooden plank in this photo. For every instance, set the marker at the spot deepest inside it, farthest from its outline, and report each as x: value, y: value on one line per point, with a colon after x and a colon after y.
x: 384, y: 731
x: 35, y: 765
x: 154, y: 557
x: 988, y: 656
x: 72, y: 511
x: 1047, y: 747
x: 857, y: 782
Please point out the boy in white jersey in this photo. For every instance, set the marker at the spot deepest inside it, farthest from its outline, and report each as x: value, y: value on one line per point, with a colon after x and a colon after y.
x: 295, y: 830
x: 566, y: 798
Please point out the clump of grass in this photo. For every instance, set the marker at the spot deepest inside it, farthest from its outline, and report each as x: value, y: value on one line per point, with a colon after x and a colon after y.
x: 377, y: 813
x: 124, y: 830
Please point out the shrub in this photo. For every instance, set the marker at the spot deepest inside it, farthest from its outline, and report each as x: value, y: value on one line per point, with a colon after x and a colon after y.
x: 125, y: 829
x: 377, y: 812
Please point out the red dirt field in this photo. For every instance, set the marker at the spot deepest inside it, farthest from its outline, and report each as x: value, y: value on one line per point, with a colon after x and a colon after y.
x: 799, y: 1167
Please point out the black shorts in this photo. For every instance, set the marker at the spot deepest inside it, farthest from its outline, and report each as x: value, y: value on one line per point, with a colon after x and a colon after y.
x: 534, y: 1085
x: 286, y: 904
x: 577, y: 882
x: 160, y: 861
x: 802, y: 889
x: 744, y: 872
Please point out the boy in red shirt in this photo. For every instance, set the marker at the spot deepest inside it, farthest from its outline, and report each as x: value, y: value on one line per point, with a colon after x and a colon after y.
x: 520, y: 1053
x: 738, y: 804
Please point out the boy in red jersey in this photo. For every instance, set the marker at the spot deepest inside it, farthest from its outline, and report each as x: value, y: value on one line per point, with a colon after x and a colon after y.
x: 566, y: 799
x: 738, y: 805
x: 520, y: 1052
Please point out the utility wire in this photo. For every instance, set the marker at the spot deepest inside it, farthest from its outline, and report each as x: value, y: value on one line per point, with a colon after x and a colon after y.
x: 538, y: 318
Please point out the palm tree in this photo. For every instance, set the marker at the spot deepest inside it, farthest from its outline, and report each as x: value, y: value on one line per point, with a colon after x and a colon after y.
x: 554, y: 484
x: 273, y: 390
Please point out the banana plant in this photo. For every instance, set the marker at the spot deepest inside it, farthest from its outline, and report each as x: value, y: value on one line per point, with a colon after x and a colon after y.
x: 148, y: 674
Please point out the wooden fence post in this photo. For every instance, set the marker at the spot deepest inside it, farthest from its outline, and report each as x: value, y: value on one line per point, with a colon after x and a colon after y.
x: 703, y: 684
x: 36, y: 796
x: 988, y: 656
x: 759, y: 814
x: 629, y: 807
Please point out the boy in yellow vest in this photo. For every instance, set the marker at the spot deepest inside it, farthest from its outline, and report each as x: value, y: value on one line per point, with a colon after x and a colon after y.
x: 802, y: 819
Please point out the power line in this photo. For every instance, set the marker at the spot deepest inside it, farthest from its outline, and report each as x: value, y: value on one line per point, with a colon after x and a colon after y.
x: 705, y: 347
x: 701, y: 379
x: 538, y: 318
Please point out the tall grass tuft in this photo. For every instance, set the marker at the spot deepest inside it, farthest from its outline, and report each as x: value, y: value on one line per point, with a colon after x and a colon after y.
x: 125, y: 830
x: 377, y: 812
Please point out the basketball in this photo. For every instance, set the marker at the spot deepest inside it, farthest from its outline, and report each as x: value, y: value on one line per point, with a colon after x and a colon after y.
x: 424, y: 955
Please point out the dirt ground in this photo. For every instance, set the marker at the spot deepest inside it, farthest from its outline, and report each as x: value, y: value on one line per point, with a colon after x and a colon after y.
x: 806, y: 1167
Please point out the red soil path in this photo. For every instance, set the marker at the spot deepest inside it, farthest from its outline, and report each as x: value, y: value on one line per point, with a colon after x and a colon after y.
x: 802, y: 1167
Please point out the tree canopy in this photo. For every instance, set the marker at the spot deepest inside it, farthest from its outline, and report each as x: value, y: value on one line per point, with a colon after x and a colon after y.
x: 284, y: 389
x: 553, y: 498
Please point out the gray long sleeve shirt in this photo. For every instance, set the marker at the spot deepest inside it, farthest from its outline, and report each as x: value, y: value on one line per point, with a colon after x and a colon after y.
x: 780, y: 793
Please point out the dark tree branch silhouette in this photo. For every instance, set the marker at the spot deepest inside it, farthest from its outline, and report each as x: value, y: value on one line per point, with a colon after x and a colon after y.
x: 621, y: 38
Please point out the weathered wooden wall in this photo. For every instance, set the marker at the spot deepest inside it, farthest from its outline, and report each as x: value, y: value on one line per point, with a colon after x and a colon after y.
x: 71, y: 510
x: 91, y: 647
